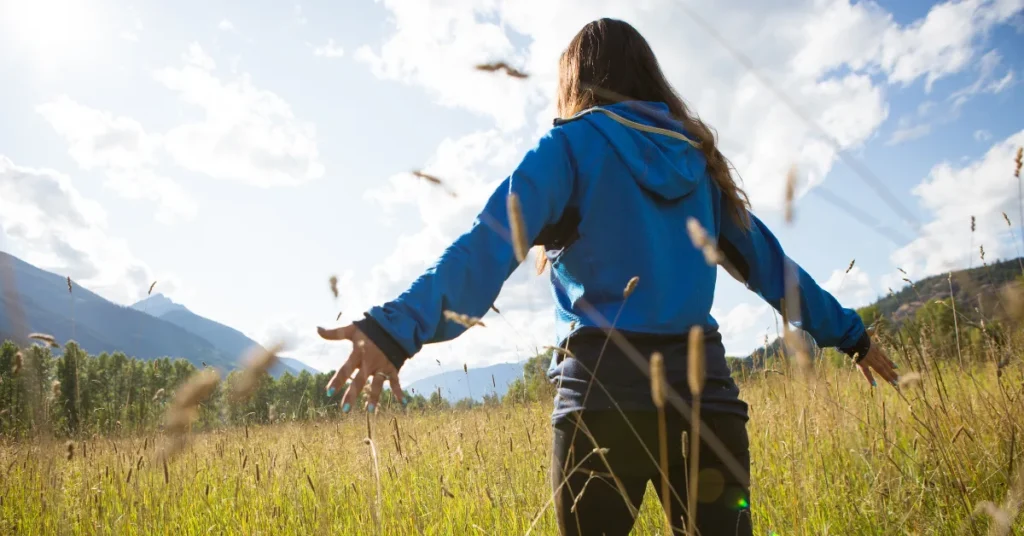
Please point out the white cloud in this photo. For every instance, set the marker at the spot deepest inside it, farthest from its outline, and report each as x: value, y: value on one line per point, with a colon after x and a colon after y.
x: 121, y: 148
x: 436, y: 46
x: 195, y: 55
x: 987, y: 81
x: 99, y: 139
x: 246, y: 134
x: 298, y: 15
x: 328, y: 50
x: 908, y: 132
x: 803, y: 47
x: 944, y: 41
x: 51, y: 225
x: 746, y: 326
x: 982, y: 135
x: 226, y: 25
x: 853, y: 289
x: 984, y: 188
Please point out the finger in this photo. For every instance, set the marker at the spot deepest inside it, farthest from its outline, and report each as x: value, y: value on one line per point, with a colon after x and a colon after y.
x: 880, y: 362
x: 885, y: 371
x: 376, y: 386
x: 344, y: 333
x: 343, y: 373
x: 396, y: 389
x: 354, y: 388
x: 866, y: 371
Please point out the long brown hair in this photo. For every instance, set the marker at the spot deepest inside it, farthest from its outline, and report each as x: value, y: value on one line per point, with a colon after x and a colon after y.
x: 608, y: 61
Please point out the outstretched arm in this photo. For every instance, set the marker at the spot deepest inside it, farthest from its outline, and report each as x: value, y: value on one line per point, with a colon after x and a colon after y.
x: 469, y: 274
x: 759, y: 260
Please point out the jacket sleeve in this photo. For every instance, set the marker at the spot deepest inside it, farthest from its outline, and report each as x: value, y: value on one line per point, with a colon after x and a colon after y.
x: 758, y: 259
x: 468, y: 276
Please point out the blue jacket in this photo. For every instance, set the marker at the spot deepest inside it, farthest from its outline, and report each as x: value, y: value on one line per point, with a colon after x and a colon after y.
x: 609, y: 199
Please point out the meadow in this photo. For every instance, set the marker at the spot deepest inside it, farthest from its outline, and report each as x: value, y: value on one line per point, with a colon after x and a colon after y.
x: 830, y: 455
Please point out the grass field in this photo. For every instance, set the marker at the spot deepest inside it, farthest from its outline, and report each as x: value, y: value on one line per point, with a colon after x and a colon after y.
x: 830, y: 456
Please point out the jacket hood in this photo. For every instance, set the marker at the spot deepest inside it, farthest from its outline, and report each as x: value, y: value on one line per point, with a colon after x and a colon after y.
x: 666, y: 166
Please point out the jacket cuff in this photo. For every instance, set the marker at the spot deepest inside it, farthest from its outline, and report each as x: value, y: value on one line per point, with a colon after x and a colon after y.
x: 387, y: 344
x: 859, y: 348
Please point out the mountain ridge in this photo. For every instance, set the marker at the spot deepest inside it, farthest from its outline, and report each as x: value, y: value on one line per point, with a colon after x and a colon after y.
x: 152, y: 328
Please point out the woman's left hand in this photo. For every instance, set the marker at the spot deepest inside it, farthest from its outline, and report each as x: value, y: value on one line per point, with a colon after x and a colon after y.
x: 879, y: 362
x: 372, y: 365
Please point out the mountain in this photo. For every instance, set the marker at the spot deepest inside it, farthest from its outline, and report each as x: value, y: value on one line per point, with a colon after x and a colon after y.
x: 158, y: 305
x: 154, y: 327
x: 975, y: 291
x: 295, y: 366
x: 454, y: 386
x: 229, y: 341
x: 97, y: 324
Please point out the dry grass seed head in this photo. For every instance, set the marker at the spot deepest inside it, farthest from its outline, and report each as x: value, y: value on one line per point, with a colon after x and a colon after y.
x: 850, y: 267
x: 1013, y: 299
x: 55, y: 388
x: 703, y: 242
x: 257, y: 364
x: 910, y: 379
x: 18, y: 362
x: 42, y: 337
x: 630, y: 286
x: 500, y: 65
x: 198, y: 388
x: 1017, y: 162
x: 159, y: 393
x: 337, y: 318
x: 540, y: 259
x: 695, y: 372
x: 333, y: 281
x: 1007, y: 218
x: 463, y: 320
x: 1000, y: 519
x: 972, y: 224
x: 658, y: 379
x: 434, y: 180
x: 560, y: 350
x: 69, y: 284
x: 517, y: 227
x: 150, y: 291
x: 791, y: 179
x: 70, y: 449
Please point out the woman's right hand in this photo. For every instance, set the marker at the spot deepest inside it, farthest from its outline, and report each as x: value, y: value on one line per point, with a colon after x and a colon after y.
x: 370, y: 365
x: 877, y: 361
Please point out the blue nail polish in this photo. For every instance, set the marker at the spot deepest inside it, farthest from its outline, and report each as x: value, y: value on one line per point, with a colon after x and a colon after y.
x: 874, y: 383
x: 346, y: 407
x: 330, y: 392
x: 370, y: 408
x: 405, y: 401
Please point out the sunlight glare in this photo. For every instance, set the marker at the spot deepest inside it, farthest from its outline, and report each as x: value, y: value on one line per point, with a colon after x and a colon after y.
x: 50, y: 31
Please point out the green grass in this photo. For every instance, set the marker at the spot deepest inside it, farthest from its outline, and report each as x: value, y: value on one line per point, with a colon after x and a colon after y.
x: 830, y: 456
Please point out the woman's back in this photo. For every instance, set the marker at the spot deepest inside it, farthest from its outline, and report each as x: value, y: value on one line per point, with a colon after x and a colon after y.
x: 634, y: 191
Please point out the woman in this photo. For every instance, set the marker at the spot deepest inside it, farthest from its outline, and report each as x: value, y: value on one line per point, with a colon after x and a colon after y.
x: 608, y: 192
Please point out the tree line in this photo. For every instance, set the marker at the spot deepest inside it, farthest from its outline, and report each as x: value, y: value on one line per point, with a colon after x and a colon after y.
x: 72, y: 392
x: 66, y: 391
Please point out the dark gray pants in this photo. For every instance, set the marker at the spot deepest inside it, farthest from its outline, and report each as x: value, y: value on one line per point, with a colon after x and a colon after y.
x: 588, y: 501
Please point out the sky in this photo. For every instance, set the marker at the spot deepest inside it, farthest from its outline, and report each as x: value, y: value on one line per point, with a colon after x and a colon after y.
x: 241, y: 153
